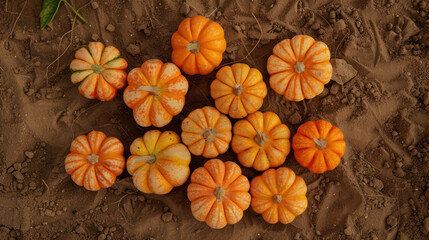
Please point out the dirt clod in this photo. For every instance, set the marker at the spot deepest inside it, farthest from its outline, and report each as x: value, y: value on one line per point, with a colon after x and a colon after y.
x: 167, y: 217
x: 295, y: 118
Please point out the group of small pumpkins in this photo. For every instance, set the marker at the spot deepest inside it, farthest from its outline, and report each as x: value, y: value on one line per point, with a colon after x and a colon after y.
x: 218, y: 191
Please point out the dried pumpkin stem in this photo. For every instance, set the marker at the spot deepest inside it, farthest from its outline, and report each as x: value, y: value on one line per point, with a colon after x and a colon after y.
x: 209, y: 134
x: 277, y: 198
x: 261, y: 138
x: 97, y: 68
x: 219, y: 193
x: 193, y: 47
x: 151, y: 159
x: 238, y: 89
x: 154, y: 90
x: 92, y: 158
x: 320, y: 143
x: 299, y: 67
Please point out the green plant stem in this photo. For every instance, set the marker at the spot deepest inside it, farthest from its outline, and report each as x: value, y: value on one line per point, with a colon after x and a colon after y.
x: 74, y: 10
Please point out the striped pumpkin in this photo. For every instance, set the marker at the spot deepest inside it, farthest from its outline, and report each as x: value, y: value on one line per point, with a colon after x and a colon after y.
x: 299, y: 68
x: 158, y: 162
x: 100, y: 71
x: 238, y: 90
x: 156, y: 92
x: 279, y: 195
x: 261, y: 141
x: 95, y: 160
x: 206, y: 132
x: 219, y: 193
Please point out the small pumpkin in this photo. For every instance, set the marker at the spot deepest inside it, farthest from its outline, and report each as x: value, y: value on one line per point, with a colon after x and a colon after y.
x: 99, y: 70
x: 219, y: 193
x: 206, y: 132
x: 158, y: 162
x: 238, y: 90
x: 95, y: 160
x: 198, y: 45
x: 261, y: 141
x: 318, y: 146
x: 279, y: 195
x: 156, y: 92
x: 299, y: 68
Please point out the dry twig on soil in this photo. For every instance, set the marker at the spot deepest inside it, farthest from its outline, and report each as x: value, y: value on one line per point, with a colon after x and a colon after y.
x: 253, y: 49
x: 16, y: 20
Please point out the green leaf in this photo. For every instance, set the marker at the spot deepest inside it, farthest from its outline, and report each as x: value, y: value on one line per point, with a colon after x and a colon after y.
x: 49, y: 9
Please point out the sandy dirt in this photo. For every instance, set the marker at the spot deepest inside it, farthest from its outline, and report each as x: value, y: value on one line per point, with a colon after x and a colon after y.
x: 381, y: 103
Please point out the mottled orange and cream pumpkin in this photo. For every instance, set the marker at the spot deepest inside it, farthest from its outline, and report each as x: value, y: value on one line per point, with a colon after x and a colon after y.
x: 95, y: 160
x: 100, y: 71
x: 238, y: 90
x: 206, y: 132
x: 156, y: 92
x: 158, y: 162
x: 318, y: 146
x: 279, y: 195
x: 261, y: 141
x: 219, y: 193
x: 299, y: 67
x: 198, y: 45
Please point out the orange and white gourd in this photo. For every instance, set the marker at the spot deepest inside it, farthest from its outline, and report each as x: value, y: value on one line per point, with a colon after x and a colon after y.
x: 299, y: 68
x: 95, y: 160
x: 156, y: 92
x: 219, y: 193
x: 100, y: 71
x: 158, y: 162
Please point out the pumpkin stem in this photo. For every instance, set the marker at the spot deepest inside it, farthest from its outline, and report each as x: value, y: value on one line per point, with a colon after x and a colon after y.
x: 97, y: 68
x: 209, y: 134
x: 151, y: 159
x: 193, y: 47
x: 260, y: 138
x: 277, y: 198
x: 299, y: 67
x: 154, y: 90
x: 320, y: 143
x: 92, y: 158
x: 219, y: 193
x: 238, y: 89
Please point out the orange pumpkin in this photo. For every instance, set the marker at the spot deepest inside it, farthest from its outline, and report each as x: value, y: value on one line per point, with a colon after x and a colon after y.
x: 219, y: 193
x: 158, y: 162
x: 261, y: 141
x: 156, y: 92
x: 206, y: 132
x: 299, y: 67
x: 198, y: 45
x: 279, y: 195
x: 238, y: 90
x: 95, y: 160
x: 318, y: 146
x: 100, y: 71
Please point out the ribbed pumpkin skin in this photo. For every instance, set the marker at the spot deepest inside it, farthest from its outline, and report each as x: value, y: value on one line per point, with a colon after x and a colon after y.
x: 208, y: 35
x: 246, y: 145
x: 219, y: 193
x: 100, y: 71
x: 279, y: 195
x: 308, y: 154
x: 206, y: 132
x: 95, y: 160
x: 238, y: 90
x: 171, y: 162
x: 299, y: 68
x: 156, y: 92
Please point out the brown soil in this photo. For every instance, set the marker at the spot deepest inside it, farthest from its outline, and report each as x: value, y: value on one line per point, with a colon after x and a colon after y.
x: 379, y: 191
